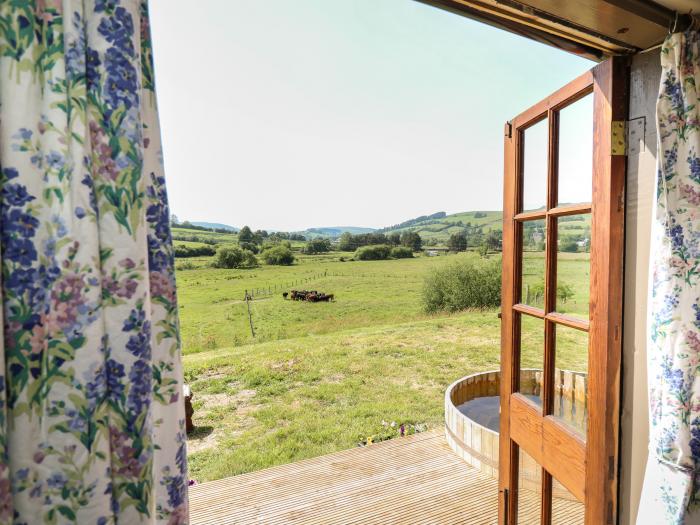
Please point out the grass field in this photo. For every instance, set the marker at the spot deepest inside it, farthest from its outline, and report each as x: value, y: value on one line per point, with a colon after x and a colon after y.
x: 214, y: 314
x: 321, y: 377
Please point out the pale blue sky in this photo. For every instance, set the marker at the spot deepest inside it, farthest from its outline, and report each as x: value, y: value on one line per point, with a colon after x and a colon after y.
x: 288, y: 114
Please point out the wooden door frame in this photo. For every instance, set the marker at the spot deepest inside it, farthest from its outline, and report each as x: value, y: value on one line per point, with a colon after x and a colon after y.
x: 597, y: 484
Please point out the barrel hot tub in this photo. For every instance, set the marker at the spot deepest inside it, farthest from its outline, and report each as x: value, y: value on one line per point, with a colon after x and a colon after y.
x: 472, y: 417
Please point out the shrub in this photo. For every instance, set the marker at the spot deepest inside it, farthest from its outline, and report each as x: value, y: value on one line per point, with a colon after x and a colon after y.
x: 317, y: 246
x: 183, y: 251
x: 471, y: 283
x: 279, y: 255
x: 234, y: 257
x: 187, y: 265
x: 534, y: 293
x: 564, y: 292
x: 250, y: 246
x: 249, y: 260
x: 376, y: 252
x: 401, y: 252
x: 569, y: 246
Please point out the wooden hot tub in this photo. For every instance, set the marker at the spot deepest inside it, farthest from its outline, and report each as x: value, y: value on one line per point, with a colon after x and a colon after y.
x: 472, y: 417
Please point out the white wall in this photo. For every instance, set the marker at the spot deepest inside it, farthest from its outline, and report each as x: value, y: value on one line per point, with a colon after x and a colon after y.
x: 641, y: 171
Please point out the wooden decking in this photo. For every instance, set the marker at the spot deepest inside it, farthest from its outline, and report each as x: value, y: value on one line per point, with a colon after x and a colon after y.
x: 415, y: 480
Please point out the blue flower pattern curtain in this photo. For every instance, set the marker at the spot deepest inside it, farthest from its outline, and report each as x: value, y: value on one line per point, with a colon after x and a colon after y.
x: 671, y: 491
x: 91, y: 415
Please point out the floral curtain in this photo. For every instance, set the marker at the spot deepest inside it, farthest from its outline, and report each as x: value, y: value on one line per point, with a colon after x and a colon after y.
x: 671, y: 491
x: 91, y: 415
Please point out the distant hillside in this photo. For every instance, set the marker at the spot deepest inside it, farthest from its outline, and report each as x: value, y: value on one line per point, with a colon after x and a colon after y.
x: 216, y: 225
x: 334, y: 231
x: 437, y: 228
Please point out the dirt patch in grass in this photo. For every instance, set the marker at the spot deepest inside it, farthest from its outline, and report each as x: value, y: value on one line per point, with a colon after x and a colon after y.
x: 206, y: 436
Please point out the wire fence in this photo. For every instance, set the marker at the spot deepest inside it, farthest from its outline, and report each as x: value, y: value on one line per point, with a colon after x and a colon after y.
x: 270, y: 289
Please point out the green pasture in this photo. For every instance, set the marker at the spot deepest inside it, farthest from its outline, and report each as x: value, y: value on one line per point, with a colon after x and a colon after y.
x: 214, y: 314
x: 322, y: 377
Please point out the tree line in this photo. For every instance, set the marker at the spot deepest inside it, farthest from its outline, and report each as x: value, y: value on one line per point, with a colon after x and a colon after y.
x: 351, y: 242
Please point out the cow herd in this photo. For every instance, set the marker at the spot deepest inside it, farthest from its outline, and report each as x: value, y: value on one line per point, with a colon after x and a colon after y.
x: 311, y: 296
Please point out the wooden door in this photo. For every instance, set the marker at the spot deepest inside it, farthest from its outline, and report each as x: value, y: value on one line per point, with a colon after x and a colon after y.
x: 562, y: 303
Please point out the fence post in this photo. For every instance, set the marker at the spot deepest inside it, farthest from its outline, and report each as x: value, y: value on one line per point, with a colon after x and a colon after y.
x: 250, y: 317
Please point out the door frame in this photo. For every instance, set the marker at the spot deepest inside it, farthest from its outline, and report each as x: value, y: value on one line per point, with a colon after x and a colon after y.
x: 589, y: 468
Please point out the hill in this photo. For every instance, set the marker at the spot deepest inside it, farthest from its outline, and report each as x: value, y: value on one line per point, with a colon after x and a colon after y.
x: 334, y: 231
x: 215, y: 225
x: 436, y: 229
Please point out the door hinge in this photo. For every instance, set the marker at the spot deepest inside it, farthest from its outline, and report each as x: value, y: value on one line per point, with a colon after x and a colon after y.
x: 509, y: 130
x: 618, y: 144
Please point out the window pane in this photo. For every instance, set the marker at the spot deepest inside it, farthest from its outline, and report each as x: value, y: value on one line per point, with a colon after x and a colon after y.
x: 574, y: 265
x: 536, y: 139
x: 533, y: 269
x: 529, y: 490
x: 566, y: 509
x: 571, y: 377
x: 531, y: 357
x: 576, y: 152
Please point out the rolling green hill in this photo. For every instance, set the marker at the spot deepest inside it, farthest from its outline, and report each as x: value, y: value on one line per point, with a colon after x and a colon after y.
x: 215, y: 225
x: 436, y: 231
x: 334, y: 231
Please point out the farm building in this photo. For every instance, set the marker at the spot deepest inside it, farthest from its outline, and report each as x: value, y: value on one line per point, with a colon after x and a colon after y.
x: 103, y: 440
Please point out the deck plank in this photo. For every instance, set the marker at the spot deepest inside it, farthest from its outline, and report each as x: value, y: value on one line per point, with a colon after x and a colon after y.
x: 414, y: 480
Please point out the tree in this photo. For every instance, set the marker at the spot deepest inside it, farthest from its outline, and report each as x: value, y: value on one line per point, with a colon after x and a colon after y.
x: 412, y: 240
x: 376, y: 252
x: 245, y: 235
x: 278, y: 255
x: 234, y: 257
x: 394, y: 238
x: 174, y: 220
x: 250, y: 246
x: 493, y: 240
x: 317, y: 246
x: 345, y: 243
x: 569, y: 246
x: 458, y: 242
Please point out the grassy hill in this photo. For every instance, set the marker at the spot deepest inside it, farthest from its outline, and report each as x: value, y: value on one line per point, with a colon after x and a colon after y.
x: 334, y: 231
x: 438, y: 230
x: 216, y: 225
x: 435, y: 230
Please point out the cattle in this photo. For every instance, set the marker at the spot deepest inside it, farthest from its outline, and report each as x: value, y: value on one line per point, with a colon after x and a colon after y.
x: 312, y: 296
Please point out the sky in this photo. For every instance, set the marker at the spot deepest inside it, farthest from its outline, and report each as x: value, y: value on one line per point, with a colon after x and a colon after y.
x: 289, y: 114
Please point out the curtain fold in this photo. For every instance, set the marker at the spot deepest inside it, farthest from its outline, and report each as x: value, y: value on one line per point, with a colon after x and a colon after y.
x: 91, y: 412
x: 671, y: 492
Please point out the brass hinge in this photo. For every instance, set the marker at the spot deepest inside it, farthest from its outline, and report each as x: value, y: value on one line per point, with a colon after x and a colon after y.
x: 618, y: 144
x: 509, y: 130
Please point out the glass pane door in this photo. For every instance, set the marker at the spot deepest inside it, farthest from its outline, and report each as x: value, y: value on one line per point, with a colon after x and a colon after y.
x: 561, y: 305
